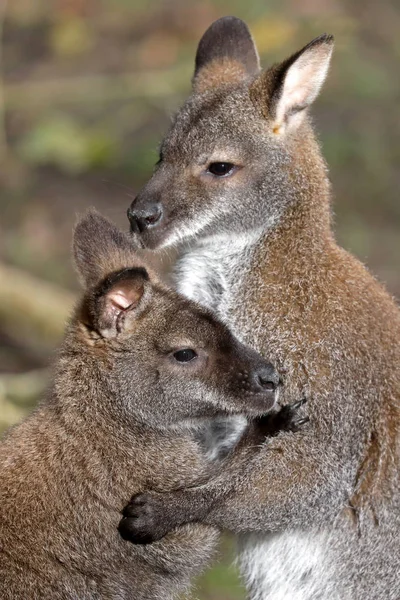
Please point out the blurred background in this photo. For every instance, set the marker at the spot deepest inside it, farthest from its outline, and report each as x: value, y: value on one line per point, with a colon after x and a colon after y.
x: 87, y: 88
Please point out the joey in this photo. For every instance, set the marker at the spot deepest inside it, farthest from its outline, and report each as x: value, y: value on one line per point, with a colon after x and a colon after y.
x: 140, y: 379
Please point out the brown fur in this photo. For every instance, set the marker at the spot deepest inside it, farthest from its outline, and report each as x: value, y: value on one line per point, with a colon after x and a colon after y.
x: 217, y: 73
x: 265, y: 258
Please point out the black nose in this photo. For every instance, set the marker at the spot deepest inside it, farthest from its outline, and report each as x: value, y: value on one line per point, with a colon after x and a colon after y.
x: 144, y: 218
x: 266, y: 378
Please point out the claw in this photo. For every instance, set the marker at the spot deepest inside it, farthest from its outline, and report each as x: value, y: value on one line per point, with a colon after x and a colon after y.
x: 298, y: 404
x: 301, y: 422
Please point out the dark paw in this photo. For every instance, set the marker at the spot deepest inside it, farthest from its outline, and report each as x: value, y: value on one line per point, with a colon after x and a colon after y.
x: 141, y: 520
x: 290, y: 418
x: 286, y: 419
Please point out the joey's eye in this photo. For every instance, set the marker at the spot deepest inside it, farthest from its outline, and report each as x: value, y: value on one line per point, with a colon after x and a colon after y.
x: 185, y: 355
x: 221, y: 169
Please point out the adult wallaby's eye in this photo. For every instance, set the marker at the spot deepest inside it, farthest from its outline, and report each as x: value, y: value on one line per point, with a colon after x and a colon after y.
x: 221, y: 169
x: 185, y: 355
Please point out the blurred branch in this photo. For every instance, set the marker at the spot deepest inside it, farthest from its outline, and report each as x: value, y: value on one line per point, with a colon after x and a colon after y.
x: 32, y: 309
x: 98, y: 88
x: 3, y: 135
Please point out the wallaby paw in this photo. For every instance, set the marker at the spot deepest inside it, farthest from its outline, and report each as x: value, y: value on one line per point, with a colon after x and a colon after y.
x: 289, y: 417
x: 142, y: 519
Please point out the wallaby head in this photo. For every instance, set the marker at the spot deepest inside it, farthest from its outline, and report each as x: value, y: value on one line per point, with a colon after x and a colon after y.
x: 243, y: 139
x: 163, y: 360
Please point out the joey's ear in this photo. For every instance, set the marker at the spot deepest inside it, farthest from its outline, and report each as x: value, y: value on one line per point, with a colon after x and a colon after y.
x: 99, y: 248
x: 226, y: 54
x: 117, y: 301
x: 286, y: 90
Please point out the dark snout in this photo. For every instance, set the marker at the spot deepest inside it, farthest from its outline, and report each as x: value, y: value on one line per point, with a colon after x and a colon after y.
x: 259, y: 383
x: 265, y: 379
x: 144, y: 216
x: 262, y: 379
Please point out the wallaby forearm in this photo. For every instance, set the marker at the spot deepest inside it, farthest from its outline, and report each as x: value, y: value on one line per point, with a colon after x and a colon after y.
x: 275, y: 491
x: 268, y: 488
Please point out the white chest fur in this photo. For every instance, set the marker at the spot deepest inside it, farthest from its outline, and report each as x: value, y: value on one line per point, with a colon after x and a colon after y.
x: 209, y: 272
x: 292, y: 565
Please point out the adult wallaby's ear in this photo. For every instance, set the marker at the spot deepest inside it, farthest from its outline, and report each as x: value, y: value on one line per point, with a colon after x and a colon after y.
x: 226, y: 54
x: 286, y: 90
x: 100, y: 248
x: 117, y: 301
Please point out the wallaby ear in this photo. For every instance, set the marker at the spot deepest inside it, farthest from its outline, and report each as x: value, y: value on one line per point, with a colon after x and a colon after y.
x: 286, y: 90
x: 117, y: 300
x: 100, y: 248
x: 226, y: 54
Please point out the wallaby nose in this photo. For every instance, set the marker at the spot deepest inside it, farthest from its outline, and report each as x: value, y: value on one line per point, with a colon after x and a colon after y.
x: 144, y: 218
x: 266, y: 378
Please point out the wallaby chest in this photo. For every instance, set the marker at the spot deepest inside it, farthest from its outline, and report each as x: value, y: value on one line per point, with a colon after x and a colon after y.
x: 212, y: 272
x: 293, y: 565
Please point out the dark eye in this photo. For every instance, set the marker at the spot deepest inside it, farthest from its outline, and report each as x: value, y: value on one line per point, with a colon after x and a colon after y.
x: 185, y: 355
x: 221, y: 169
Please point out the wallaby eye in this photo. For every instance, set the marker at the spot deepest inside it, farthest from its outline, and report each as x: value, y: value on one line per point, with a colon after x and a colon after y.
x: 186, y: 355
x: 221, y: 169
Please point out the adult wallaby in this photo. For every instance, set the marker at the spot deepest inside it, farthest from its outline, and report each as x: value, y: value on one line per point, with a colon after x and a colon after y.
x: 141, y: 377
x: 241, y: 176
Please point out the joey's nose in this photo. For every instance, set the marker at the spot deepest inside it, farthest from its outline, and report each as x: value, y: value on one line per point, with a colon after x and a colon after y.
x: 266, y: 378
x: 144, y: 218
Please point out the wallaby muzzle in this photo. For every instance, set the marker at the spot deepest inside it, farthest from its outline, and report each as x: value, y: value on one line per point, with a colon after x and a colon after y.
x: 260, y: 386
x: 143, y: 218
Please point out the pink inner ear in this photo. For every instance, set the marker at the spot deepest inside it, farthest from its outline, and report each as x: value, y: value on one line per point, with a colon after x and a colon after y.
x: 120, y: 299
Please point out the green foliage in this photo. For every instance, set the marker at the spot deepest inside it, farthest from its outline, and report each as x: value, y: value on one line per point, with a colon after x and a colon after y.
x: 71, y: 36
x: 221, y: 583
x: 59, y: 140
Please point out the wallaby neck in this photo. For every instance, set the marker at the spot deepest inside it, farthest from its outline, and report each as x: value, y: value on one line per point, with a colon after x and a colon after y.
x: 211, y: 269
x: 204, y: 270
